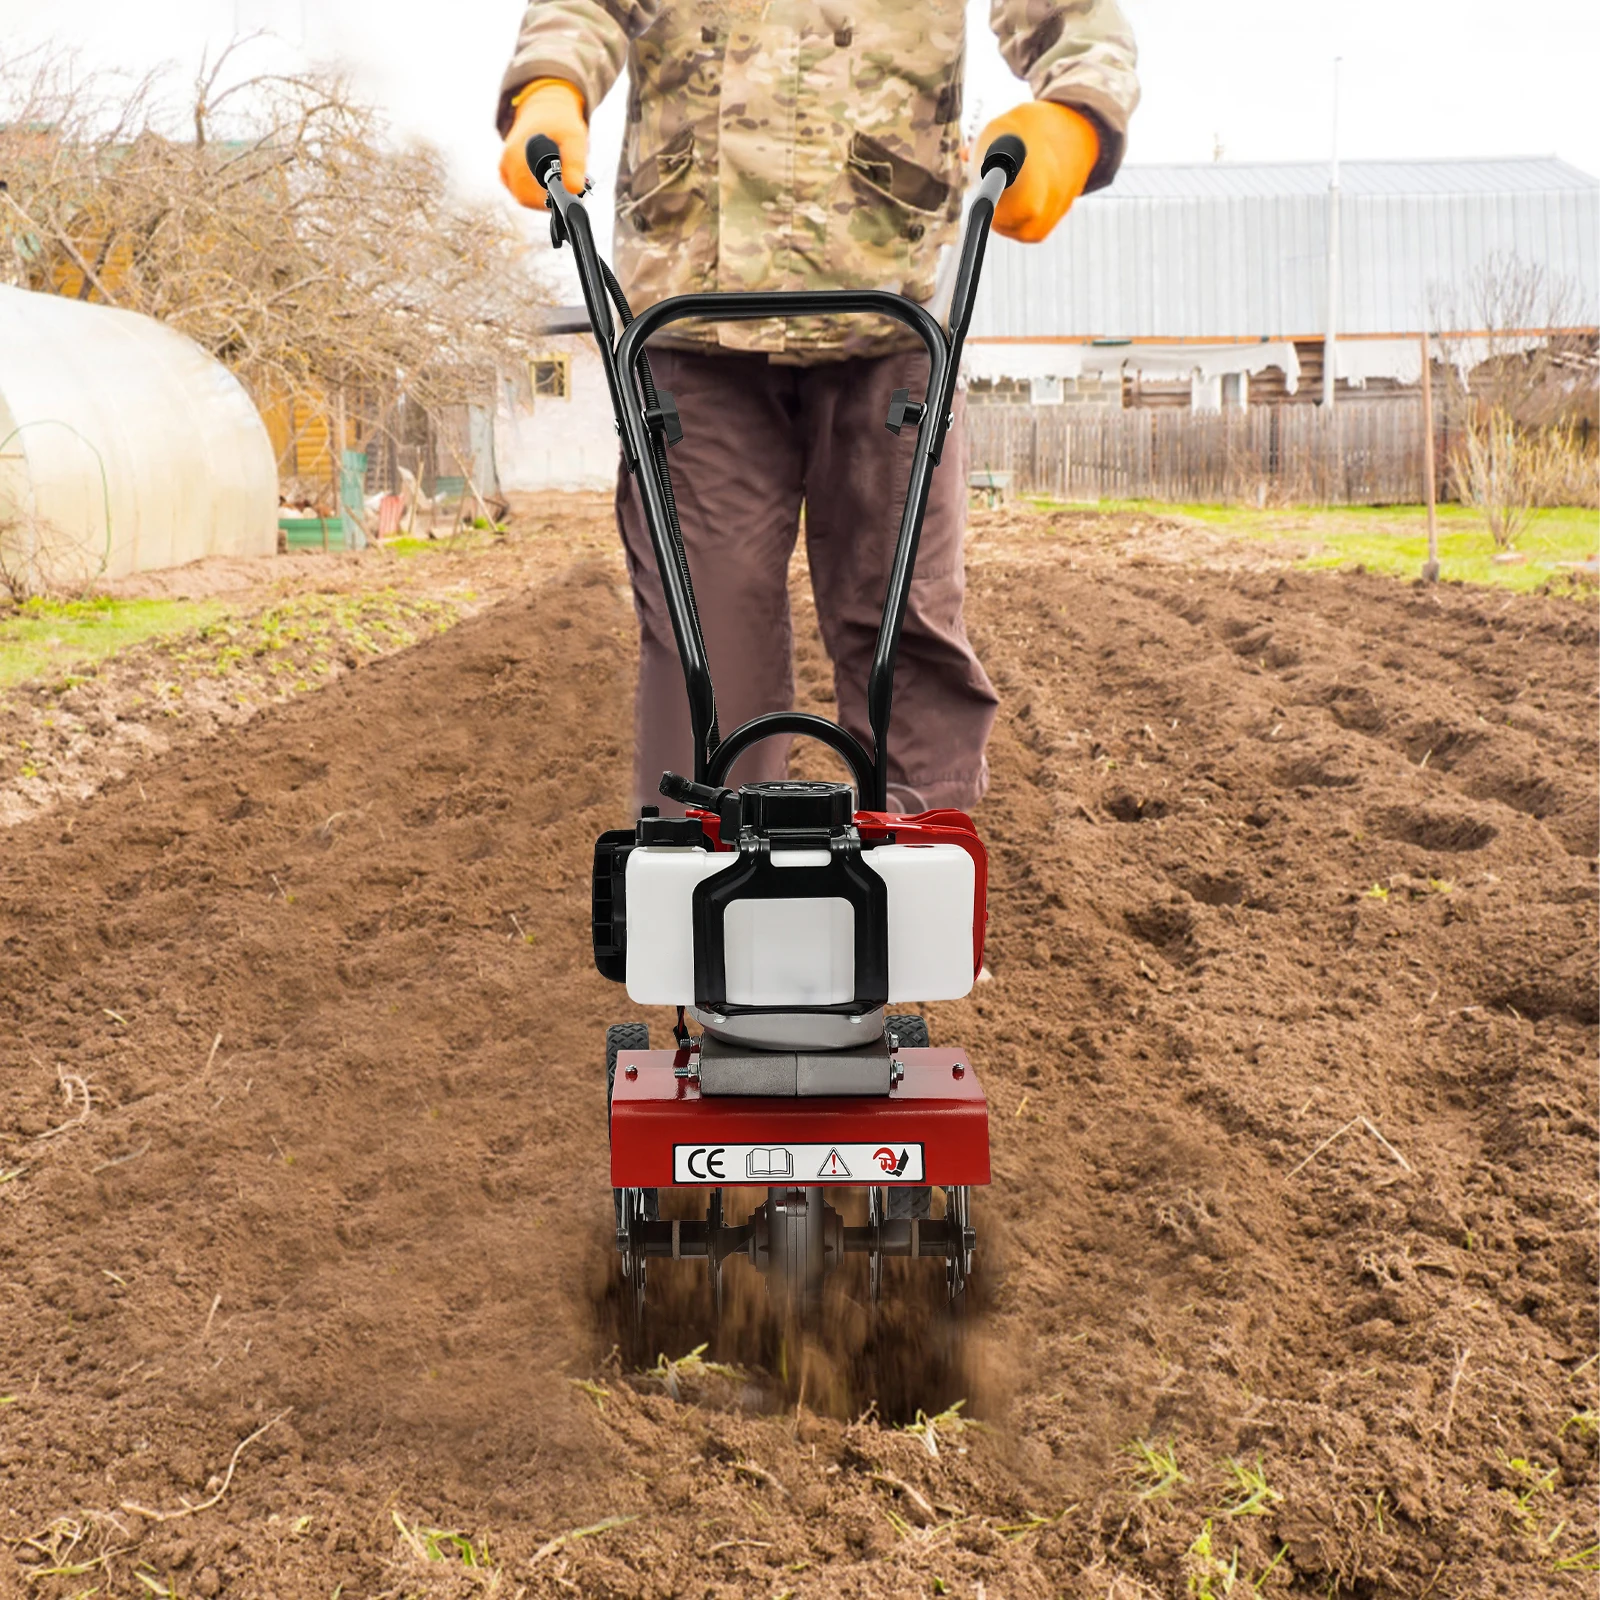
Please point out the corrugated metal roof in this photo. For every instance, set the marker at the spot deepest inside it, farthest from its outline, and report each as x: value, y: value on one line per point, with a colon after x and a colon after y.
x: 1240, y: 251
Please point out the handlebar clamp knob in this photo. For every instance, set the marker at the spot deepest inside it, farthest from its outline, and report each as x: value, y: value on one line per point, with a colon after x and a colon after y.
x: 903, y: 410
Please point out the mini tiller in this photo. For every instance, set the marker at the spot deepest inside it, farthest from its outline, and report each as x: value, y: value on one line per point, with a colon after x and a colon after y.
x: 785, y: 919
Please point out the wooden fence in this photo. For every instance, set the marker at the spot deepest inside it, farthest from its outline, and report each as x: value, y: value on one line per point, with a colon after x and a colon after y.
x: 1368, y: 452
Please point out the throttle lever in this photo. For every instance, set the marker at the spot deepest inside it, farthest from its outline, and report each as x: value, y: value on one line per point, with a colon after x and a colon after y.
x: 721, y: 803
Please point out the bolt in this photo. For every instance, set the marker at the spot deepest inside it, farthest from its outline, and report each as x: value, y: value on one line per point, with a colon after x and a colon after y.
x: 957, y: 1071
x: 630, y: 1072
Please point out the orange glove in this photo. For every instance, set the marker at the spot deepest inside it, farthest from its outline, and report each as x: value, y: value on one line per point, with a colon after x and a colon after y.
x: 553, y: 107
x: 1063, y: 146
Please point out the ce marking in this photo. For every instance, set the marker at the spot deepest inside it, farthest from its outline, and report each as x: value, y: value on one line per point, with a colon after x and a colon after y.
x: 712, y: 1158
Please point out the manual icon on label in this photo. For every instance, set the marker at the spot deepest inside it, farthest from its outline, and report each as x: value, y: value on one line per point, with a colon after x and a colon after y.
x: 773, y: 1163
x: 833, y: 1166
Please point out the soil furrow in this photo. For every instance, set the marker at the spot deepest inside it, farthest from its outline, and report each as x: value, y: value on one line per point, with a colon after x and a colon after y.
x: 1289, y: 1040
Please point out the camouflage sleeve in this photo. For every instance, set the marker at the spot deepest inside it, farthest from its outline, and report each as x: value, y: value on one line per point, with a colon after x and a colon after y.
x: 1079, y: 53
x: 583, y: 41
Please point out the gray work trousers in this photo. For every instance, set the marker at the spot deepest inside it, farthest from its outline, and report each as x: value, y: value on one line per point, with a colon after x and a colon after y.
x: 761, y: 440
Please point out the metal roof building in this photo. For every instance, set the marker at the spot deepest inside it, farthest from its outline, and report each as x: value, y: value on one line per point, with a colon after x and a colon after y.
x: 1240, y: 251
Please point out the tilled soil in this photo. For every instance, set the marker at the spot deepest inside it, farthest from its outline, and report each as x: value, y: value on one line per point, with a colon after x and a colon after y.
x: 287, y: 625
x: 1286, y: 1275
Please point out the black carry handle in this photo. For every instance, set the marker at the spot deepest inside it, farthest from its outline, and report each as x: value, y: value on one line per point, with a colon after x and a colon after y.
x: 626, y: 370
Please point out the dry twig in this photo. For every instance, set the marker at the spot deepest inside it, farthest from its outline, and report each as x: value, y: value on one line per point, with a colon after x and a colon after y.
x: 1354, y: 1122
x: 187, y: 1510
x: 550, y: 1546
x: 71, y: 1087
x: 122, y: 1161
x: 1457, y: 1373
x: 900, y: 1486
x: 760, y: 1474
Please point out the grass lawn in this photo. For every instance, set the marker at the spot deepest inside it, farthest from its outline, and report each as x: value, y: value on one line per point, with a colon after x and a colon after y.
x: 48, y: 638
x: 1394, y: 539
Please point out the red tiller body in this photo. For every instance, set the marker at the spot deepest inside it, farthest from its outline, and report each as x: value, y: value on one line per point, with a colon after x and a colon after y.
x: 936, y: 1108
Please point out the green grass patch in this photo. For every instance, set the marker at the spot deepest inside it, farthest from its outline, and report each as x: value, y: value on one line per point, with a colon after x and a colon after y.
x: 1155, y: 1471
x: 1394, y: 539
x: 292, y: 645
x: 45, y: 638
x: 471, y: 536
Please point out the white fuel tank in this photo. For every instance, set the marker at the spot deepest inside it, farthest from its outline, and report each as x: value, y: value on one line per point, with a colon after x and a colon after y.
x: 661, y: 882
x: 931, y: 887
x: 801, y: 952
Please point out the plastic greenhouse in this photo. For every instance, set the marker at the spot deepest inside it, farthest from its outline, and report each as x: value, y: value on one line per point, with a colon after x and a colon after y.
x: 123, y: 446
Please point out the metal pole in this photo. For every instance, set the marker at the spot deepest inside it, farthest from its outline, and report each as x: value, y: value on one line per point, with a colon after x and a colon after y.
x: 1330, y: 340
x: 1430, y: 569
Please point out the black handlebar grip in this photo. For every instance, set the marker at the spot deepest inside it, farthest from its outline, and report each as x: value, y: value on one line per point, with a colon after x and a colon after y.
x: 1008, y: 153
x: 542, y: 153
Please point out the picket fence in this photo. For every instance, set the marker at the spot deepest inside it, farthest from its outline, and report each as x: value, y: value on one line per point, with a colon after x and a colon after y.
x: 1368, y: 452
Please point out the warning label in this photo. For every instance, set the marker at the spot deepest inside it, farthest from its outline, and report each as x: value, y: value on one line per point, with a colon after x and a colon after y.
x: 797, y: 1163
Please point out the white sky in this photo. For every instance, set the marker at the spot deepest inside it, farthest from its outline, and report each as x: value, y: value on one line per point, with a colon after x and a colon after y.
x: 1420, y: 77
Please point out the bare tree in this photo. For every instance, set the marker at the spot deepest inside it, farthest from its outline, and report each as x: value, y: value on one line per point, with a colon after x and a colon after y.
x: 1520, y: 393
x: 269, y: 218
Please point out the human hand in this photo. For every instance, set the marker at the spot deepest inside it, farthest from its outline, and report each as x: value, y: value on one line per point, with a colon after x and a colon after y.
x: 1063, y: 146
x: 553, y: 107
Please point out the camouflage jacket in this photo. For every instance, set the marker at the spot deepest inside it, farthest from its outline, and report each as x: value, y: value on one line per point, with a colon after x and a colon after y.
x: 789, y: 144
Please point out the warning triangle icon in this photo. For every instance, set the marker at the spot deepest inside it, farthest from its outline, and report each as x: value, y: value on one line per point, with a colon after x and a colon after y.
x: 834, y: 1166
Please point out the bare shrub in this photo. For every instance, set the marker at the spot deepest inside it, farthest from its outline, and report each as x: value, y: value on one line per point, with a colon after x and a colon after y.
x: 1520, y: 394
x: 1569, y: 471
x: 16, y: 564
x: 1492, y: 470
x: 1508, y: 471
x: 37, y: 558
x: 1511, y: 340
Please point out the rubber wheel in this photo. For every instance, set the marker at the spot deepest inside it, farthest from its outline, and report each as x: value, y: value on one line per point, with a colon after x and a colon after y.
x: 622, y: 1036
x: 907, y: 1031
